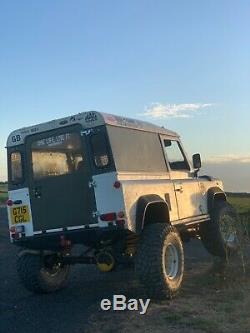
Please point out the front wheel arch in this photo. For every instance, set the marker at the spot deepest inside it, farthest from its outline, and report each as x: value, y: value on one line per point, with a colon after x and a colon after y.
x: 214, y: 195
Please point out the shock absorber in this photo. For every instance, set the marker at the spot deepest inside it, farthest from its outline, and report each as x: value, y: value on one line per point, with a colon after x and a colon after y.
x: 131, y: 243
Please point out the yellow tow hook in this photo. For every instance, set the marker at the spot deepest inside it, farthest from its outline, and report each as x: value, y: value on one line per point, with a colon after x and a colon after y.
x: 105, y: 261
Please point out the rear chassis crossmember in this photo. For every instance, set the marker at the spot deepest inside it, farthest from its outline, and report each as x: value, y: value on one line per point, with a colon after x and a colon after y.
x: 90, y: 237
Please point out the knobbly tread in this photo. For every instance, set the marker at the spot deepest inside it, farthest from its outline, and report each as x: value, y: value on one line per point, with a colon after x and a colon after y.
x: 29, y: 268
x: 210, y: 231
x: 149, y: 261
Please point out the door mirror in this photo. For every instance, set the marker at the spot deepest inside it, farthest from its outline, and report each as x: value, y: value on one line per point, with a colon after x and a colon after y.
x: 197, y: 161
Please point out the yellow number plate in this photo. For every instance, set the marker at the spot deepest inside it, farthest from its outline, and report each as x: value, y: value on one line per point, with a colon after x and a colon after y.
x: 20, y: 214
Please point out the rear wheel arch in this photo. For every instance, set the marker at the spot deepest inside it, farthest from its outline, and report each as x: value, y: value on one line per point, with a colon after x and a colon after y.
x: 151, y: 209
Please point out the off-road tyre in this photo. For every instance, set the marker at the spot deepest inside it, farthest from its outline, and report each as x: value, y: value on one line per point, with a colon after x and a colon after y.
x: 211, y: 232
x: 151, y: 266
x: 37, y: 278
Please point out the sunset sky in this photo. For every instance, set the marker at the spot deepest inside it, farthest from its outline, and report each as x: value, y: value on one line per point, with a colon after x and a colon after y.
x: 181, y: 64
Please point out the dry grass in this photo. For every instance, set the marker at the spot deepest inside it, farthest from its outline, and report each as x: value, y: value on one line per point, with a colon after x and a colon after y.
x: 215, y: 298
x: 208, y: 302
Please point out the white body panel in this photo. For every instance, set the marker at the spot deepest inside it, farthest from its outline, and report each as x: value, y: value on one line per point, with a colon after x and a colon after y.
x: 23, y: 195
x: 191, y: 202
x: 204, y: 186
x: 135, y: 185
x: 88, y: 120
x: 108, y: 198
x: 187, y: 193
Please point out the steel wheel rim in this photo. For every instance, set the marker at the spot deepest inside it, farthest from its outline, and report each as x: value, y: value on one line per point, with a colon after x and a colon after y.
x: 52, y: 269
x: 171, y: 262
x: 228, y: 230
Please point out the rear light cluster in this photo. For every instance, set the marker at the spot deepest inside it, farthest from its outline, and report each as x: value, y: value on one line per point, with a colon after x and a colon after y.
x: 9, y: 202
x: 114, y: 217
x: 108, y: 217
x: 17, y: 232
x: 117, y: 184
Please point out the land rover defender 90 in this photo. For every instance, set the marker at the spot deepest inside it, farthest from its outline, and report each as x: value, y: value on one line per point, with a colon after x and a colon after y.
x: 123, y: 188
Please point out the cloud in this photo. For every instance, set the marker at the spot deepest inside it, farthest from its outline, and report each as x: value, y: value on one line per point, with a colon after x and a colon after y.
x: 228, y: 158
x: 158, y: 110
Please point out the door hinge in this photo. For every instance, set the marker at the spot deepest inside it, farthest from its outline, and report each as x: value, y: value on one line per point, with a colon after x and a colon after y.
x: 92, y: 184
x: 95, y: 213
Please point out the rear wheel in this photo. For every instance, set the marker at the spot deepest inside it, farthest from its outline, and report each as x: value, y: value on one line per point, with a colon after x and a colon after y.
x: 159, y: 261
x: 220, y: 235
x: 42, y: 274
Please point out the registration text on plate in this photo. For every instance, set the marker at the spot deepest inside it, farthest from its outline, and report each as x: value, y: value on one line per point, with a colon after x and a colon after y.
x: 20, y: 214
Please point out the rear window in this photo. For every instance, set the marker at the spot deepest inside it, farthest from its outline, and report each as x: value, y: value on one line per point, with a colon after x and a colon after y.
x: 57, y: 155
x: 16, y: 167
x: 99, y: 147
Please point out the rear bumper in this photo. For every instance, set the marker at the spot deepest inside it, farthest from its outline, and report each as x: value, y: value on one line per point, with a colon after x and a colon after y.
x: 87, y: 236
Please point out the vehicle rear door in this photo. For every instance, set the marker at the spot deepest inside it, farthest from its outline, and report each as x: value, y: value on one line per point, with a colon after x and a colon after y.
x: 59, y: 175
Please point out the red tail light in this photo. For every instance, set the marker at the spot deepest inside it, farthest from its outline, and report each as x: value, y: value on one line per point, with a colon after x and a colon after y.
x: 108, y: 217
x: 9, y: 202
x: 120, y: 223
x: 17, y: 232
x: 117, y: 184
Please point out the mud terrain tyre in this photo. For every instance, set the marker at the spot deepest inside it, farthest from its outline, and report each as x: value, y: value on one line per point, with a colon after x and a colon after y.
x: 159, y: 261
x: 220, y: 234
x: 39, y: 275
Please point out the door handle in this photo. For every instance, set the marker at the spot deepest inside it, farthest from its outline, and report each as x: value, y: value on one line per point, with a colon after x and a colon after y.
x: 178, y: 188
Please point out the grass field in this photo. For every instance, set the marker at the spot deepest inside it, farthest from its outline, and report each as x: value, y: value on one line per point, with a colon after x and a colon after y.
x: 206, y: 304
x: 3, y: 193
x: 240, y: 202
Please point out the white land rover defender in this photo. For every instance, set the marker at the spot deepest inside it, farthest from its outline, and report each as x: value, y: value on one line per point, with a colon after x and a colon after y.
x: 123, y: 188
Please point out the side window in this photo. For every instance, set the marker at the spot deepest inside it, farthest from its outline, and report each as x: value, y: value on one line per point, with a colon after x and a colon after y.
x: 16, y: 168
x: 175, y: 156
x: 57, y: 155
x: 99, y: 150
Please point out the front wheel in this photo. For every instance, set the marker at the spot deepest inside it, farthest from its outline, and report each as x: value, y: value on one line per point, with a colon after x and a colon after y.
x: 42, y: 274
x: 159, y: 261
x: 220, y: 235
